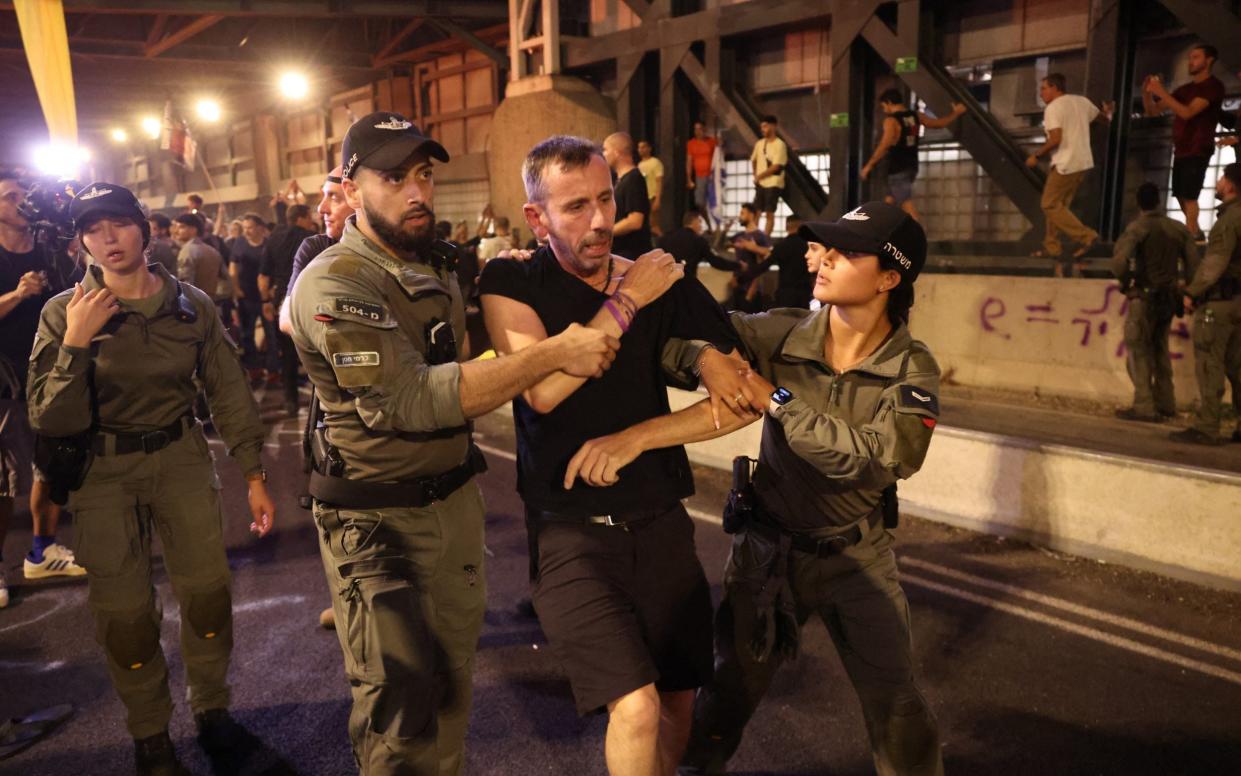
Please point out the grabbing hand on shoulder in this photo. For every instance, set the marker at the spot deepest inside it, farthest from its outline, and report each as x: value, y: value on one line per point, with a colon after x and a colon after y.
x: 650, y: 276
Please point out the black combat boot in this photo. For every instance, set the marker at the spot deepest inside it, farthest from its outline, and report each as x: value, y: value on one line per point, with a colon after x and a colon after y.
x: 226, y: 742
x: 155, y: 756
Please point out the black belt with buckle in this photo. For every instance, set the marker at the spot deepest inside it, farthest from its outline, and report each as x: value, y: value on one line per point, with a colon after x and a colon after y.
x: 823, y: 547
x: 625, y: 520
x: 418, y: 493
x: 139, y: 441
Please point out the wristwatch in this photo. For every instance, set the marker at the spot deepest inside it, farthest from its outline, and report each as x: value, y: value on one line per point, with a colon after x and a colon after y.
x: 260, y: 475
x: 779, y: 398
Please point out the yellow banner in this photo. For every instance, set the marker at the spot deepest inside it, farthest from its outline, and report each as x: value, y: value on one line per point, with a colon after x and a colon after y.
x: 42, y: 23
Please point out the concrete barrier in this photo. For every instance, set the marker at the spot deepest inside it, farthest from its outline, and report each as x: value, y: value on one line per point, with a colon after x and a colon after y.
x: 1174, y: 520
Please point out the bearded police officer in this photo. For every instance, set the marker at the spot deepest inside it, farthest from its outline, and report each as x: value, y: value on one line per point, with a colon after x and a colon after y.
x: 400, y: 524
x: 116, y: 365
x: 1214, y: 297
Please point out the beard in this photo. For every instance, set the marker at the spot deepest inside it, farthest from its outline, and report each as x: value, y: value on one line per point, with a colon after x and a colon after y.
x: 576, y: 253
x: 399, y: 238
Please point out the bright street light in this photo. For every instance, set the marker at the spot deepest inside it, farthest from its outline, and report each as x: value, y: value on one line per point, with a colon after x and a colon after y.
x: 208, y: 110
x: 119, y: 135
x: 60, y: 160
x: 294, y: 85
x: 152, y: 126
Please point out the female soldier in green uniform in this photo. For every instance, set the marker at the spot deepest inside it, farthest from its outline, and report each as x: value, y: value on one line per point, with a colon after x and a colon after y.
x: 116, y: 365
x: 849, y: 402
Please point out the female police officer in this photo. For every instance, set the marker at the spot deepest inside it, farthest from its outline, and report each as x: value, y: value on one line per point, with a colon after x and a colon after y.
x: 849, y: 400
x: 114, y: 371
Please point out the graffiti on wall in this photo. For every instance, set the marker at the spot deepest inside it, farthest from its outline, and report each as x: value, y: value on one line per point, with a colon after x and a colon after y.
x: 1001, y: 317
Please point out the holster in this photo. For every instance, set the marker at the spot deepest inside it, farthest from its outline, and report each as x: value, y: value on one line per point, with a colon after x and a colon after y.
x: 64, y: 462
x: 739, y: 508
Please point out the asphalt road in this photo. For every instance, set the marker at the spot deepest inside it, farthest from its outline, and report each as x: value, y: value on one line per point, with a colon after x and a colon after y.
x: 1035, y: 663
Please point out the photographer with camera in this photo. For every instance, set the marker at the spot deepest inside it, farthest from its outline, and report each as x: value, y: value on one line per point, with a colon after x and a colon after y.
x: 113, y: 377
x: 24, y: 287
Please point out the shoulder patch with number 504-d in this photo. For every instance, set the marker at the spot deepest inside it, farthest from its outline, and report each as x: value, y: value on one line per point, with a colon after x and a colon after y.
x: 359, y: 358
x: 360, y: 308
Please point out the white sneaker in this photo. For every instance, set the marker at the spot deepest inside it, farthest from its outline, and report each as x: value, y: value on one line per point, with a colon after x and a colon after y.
x: 4, y: 590
x: 58, y: 561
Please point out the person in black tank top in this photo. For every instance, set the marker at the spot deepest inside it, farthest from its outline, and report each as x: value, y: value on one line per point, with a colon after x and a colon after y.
x: 899, y: 144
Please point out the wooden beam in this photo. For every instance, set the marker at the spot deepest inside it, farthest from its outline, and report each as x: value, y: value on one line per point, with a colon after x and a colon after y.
x: 715, y: 97
x: 724, y: 21
x: 409, y: 29
x: 472, y: 40
x: 304, y: 9
x: 447, y: 45
x: 182, y: 35
x: 157, y: 29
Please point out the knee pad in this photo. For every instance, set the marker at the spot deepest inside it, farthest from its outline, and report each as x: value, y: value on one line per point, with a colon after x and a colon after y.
x: 132, y: 642
x: 210, y: 612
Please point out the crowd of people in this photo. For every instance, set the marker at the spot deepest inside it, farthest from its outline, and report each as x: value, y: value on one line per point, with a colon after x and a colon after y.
x: 115, y: 368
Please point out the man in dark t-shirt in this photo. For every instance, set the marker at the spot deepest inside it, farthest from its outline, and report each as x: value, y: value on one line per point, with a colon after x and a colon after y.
x: 243, y: 265
x: 690, y: 248
x: 25, y: 285
x: 619, y: 590
x: 1196, y: 107
x: 274, y: 272
x: 631, y: 235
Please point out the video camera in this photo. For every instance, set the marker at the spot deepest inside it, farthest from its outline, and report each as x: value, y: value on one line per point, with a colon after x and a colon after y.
x: 47, y: 210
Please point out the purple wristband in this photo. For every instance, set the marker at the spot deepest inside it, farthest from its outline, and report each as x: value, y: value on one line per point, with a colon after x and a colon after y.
x: 620, y: 319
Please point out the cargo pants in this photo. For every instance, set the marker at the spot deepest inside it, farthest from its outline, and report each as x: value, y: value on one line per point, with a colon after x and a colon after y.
x: 125, y: 501
x: 857, y: 595
x: 409, y: 593
x: 1147, y: 324
x: 1217, y: 358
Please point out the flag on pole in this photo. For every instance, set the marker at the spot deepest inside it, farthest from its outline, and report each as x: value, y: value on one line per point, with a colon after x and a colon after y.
x: 175, y: 138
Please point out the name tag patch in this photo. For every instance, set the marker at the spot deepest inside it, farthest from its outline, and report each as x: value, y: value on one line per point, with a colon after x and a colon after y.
x: 919, y: 398
x: 360, y: 308
x: 361, y: 358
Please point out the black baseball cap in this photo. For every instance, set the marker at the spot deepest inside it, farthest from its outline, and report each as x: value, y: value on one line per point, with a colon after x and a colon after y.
x: 102, y: 199
x: 878, y: 228
x: 382, y: 141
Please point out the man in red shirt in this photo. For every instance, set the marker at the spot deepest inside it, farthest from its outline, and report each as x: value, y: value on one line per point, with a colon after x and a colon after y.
x: 699, y: 153
x: 1196, y: 107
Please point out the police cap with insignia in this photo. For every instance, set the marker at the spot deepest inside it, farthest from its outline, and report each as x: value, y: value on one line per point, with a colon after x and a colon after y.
x: 100, y: 200
x: 382, y: 141
x: 874, y: 228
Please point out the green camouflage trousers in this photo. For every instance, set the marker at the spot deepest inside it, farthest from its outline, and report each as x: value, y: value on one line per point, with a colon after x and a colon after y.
x: 409, y: 596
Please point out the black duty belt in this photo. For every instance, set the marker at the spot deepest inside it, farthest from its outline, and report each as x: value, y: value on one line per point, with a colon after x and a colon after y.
x: 619, y: 520
x: 123, y: 442
x: 823, y: 547
x: 418, y: 492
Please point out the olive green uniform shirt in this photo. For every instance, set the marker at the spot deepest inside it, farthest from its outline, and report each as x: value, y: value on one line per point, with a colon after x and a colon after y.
x: 360, y: 323
x: 1223, y: 253
x: 827, y: 455
x: 1162, y: 249
x: 144, y: 371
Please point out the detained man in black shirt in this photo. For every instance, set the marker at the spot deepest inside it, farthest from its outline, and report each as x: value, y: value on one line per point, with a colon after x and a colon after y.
x: 620, y: 592
x: 631, y: 235
x: 690, y: 248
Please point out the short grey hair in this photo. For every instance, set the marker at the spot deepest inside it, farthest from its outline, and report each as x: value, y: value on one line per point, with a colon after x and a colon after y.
x: 567, y: 151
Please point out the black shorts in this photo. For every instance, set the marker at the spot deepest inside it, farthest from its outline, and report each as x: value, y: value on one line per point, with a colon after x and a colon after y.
x: 767, y: 199
x: 1188, y: 172
x: 623, y: 608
